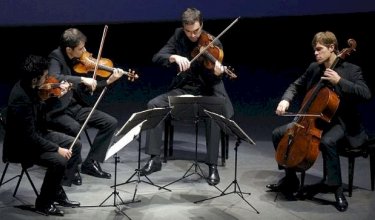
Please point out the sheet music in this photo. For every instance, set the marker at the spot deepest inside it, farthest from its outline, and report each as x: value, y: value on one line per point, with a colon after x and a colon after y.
x: 134, y: 115
x: 126, y: 139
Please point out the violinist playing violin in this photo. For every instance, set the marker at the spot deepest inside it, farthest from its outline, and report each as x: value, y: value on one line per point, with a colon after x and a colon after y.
x: 68, y: 113
x: 345, y: 80
x: 28, y: 140
x: 193, y: 78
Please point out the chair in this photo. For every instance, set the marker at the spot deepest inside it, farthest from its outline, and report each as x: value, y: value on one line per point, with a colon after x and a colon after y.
x: 169, y: 137
x: 24, y: 167
x: 365, y: 150
x: 183, y: 112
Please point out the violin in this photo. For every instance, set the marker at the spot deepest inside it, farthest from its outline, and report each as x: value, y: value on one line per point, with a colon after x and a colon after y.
x: 299, y: 147
x: 51, y: 88
x: 211, y: 54
x: 86, y: 63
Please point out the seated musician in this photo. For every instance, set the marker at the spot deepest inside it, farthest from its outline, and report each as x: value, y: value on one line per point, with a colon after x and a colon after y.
x: 28, y: 141
x: 68, y: 113
x: 346, y: 80
x: 194, y: 79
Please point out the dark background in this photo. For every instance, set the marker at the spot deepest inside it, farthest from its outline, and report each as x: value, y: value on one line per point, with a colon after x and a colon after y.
x: 267, y: 53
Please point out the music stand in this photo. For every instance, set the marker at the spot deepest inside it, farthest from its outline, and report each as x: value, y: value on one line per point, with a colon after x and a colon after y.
x: 152, y: 118
x: 188, y: 106
x: 121, y: 143
x: 231, y: 128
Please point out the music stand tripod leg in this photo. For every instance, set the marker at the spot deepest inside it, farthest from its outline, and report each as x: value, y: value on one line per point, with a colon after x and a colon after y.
x: 234, y: 183
x: 138, y: 172
x: 115, y: 194
x: 195, y: 164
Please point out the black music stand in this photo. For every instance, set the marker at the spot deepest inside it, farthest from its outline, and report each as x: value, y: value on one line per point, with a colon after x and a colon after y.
x: 231, y: 128
x: 121, y: 143
x: 193, y: 107
x: 151, y: 118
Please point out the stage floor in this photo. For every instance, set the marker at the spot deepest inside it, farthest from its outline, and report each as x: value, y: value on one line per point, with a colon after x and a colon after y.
x: 256, y: 168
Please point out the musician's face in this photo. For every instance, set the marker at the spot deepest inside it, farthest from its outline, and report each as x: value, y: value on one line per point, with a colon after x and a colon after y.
x: 77, y: 51
x: 193, y: 31
x: 323, y: 53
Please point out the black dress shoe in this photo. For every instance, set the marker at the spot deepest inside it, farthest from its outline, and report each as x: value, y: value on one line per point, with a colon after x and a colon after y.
x: 152, y: 165
x: 341, y: 203
x: 213, y: 175
x: 77, y: 180
x: 50, y: 209
x: 62, y: 199
x: 285, y: 185
x: 93, y: 168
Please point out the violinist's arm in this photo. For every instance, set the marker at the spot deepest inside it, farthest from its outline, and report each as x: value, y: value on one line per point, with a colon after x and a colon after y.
x: 182, y: 62
x: 89, y: 82
x: 117, y: 73
x: 218, y: 69
x: 65, y: 87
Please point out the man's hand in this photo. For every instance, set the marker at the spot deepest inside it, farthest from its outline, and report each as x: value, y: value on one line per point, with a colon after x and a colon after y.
x: 282, y: 107
x: 65, y: 153
x: 331, y: 76
x: 182, y: 62
x: 89, y: 82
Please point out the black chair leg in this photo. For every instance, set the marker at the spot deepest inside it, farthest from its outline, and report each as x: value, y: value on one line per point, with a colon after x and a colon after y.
x: 31, y: 182
x: 351, y: 161
x: 372, y: 167
x: 18, y: 182
x: 24, y: 171
x: 3, y: 175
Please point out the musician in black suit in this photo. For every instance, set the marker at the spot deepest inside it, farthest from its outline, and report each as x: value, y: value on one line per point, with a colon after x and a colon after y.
x: 28, y: 141
x: 346, y: 80
x: 194, y: 79
x: 68, y: 113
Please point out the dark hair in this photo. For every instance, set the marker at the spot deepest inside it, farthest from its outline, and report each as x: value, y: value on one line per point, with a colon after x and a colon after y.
x: 34, y: 67
x: 190, y: 16
x: 71, y: 38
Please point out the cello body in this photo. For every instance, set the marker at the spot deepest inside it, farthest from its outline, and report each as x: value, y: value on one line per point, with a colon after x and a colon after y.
x: 299, y: 147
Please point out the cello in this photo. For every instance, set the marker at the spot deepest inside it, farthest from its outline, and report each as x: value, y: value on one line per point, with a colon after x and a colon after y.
x: 299, y: 147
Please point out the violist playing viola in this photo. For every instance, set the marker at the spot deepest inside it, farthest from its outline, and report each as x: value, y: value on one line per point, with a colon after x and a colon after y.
x: 68, y: 113
x: 192, y: 78
x: 347, y: 81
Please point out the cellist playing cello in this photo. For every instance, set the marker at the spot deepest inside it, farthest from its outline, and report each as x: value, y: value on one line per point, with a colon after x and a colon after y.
x: 345, y: 80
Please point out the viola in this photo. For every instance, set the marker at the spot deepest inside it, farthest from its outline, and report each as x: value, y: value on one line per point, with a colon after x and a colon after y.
x: 211, y: 54
x: 50, y: 88
x: 86, y: 63
x: 299, y: 147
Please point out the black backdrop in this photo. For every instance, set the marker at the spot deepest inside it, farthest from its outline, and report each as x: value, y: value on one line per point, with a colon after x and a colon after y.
x: 267, y: 53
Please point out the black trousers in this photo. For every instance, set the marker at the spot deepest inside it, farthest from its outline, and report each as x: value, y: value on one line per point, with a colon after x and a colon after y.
x: 57, y: 166
x: 71, y: 121
x: 154, y: 136
x: 332, y: 134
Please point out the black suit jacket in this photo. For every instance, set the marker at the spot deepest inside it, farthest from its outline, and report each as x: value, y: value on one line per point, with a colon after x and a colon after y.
x: 25, y: 126
x: 351, y: 90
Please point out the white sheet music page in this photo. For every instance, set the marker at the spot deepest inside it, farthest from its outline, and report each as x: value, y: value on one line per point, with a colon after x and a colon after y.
x: 125, y: 140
